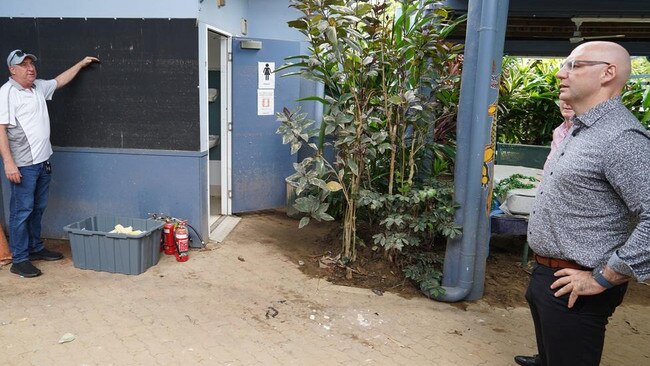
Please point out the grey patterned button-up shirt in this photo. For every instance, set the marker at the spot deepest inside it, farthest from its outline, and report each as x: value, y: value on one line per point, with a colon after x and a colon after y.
x: 593, y: 204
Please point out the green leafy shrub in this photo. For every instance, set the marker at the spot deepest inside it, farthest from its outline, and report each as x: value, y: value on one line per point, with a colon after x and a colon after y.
x: 391, y: 86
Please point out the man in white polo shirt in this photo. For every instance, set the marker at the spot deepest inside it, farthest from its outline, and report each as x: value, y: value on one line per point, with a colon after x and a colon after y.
x: 25, y: 149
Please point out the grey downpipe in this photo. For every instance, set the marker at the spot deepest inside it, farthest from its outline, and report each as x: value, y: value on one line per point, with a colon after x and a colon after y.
x: 470, y: 166
x: 483, y: 234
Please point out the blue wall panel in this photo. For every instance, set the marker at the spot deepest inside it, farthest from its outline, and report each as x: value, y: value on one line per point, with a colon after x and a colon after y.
x: 226, y: 18
x: 268, y: 20
x: 131, y: 183
x: 260, y: 162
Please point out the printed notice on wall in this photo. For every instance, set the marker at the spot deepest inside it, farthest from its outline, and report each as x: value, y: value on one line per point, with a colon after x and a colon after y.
x: 265, y: 102
x: 266, y: 75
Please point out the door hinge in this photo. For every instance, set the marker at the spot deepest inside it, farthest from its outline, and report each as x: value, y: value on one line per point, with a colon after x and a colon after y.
x: 229, y: 126
x: 229, y: 56
x: 229, y: 194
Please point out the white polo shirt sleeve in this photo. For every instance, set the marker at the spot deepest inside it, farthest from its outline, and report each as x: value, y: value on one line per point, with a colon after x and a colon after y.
x: 7, y: 113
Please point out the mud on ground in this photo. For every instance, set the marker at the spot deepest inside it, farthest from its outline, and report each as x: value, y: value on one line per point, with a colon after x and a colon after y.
x: 309, y: 247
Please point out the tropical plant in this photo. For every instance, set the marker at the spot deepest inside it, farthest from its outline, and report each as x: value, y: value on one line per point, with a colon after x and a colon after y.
x: 391, y: 94
x: 406, y: 217
x: 636, y: 96
x: 528, y: 112
x: 641, y: 66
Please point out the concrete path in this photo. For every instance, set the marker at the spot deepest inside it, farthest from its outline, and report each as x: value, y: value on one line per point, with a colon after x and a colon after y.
x: 244, y: 303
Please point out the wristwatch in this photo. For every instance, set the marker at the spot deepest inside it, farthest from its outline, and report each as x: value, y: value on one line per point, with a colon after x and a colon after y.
x: 600, y: 278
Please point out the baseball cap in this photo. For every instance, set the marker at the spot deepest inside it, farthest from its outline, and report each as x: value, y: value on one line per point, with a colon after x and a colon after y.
x: 17, y: 56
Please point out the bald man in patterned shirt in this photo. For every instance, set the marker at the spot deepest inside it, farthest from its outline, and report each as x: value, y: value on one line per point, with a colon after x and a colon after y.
x: 590, y: 223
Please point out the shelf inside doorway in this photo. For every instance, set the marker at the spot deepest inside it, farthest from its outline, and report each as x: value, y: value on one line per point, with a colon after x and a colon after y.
x: 213, y: 140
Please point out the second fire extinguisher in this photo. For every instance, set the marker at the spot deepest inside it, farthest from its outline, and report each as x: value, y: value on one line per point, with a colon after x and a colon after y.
x: 182, y: 239
x: 169, y: 246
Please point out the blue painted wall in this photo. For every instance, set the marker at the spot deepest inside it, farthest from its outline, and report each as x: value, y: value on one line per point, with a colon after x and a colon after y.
x: 260, y: 162
x: 268, y: 19
x: 226, y: 18
x: 129, y: 183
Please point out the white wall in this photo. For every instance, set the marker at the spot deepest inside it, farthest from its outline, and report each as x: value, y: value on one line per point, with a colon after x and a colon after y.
x: 266, y: 18
x: 101, y: 9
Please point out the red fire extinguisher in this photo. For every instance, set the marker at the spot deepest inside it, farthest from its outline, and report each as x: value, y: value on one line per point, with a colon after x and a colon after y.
x: 168, y: 237
x: 181, y: 234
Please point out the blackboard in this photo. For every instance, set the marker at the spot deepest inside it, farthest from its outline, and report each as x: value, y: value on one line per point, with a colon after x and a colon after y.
x: 144, y: 94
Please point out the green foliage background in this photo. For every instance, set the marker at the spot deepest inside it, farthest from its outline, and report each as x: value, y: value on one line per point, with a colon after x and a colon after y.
x: 528, y: 109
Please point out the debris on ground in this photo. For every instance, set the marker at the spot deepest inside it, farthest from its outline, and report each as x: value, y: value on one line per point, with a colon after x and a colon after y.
x: 362, y: 321
x: 328, y: 261
x: 68, y: 337
x: 191, y: 320
x: 271, y: 312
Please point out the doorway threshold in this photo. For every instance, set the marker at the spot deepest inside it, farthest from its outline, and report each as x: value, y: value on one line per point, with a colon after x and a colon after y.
x: 221, y: 226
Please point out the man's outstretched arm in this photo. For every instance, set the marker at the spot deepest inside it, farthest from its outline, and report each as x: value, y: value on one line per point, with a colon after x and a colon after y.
x: 69, y: 74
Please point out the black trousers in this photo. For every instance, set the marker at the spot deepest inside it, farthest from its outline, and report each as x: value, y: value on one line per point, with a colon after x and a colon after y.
x: 569, y: 337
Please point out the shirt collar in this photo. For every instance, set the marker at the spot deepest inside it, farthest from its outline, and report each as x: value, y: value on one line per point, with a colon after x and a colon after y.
x: 18, y: 86
x: 591, y: 116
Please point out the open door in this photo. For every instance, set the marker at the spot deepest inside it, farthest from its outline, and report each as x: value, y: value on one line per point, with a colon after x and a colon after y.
x: 217, y: 121
x: 260, y: 162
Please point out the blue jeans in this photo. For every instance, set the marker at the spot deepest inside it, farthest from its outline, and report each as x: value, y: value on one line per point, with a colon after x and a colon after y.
x: 28, y: 202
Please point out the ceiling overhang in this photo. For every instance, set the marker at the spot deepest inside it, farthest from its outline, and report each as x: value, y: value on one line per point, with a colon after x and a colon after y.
x: 554, y: 27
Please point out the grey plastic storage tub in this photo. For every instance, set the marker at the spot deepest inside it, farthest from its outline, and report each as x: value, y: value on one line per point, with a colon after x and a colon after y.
x: 93, y: 247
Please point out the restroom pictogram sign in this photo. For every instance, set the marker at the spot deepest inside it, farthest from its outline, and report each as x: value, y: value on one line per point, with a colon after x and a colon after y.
x: 266, y: 75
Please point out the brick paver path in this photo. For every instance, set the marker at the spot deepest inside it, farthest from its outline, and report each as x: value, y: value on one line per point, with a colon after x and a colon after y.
x: 218, y: 310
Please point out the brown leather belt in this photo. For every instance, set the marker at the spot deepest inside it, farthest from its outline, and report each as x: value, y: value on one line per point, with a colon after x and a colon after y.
x: 559, y: 263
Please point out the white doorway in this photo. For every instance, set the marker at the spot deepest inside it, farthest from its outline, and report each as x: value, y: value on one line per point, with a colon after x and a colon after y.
x: 218, y: 75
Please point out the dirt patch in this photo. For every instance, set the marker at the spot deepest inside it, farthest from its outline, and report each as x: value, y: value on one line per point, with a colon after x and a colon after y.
x: 316, y: 246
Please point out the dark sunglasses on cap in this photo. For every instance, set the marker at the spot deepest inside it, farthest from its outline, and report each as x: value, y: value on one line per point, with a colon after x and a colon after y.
x: 19, y: 54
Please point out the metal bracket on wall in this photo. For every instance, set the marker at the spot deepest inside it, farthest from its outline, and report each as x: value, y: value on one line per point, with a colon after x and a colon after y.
x: 248, y: 44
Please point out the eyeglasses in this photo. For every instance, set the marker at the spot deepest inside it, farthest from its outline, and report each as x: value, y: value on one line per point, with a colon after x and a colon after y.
x: 570, y: 65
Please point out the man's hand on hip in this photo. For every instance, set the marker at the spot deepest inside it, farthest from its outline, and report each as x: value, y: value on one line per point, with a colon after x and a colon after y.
x: 576, y: 283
